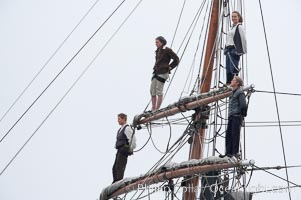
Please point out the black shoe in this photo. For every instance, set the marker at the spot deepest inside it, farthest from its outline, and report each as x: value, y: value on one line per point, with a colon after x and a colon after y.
x: 237, y: 155
x: 226, y: 155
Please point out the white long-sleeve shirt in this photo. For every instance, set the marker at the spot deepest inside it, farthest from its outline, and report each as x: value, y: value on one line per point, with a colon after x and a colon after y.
x: 128, y: 131
x: 230, y: 37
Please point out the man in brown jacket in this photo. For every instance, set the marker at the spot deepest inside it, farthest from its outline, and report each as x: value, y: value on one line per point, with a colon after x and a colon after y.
x: 161, y: 72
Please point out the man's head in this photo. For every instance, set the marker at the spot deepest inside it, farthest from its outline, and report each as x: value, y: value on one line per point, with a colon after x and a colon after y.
x: 122, y: 118
x: 160, y: 42
x: 236, y: 82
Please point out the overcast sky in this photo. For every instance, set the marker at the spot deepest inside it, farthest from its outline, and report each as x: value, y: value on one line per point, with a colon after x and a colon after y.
x: 71, y: 155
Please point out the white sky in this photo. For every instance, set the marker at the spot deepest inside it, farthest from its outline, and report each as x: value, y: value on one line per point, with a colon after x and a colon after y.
x: 72, y: 154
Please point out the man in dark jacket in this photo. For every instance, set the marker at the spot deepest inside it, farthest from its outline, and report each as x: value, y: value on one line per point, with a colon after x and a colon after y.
x: 125, y: 143
x: 161, y: 72
x: 237, y: 112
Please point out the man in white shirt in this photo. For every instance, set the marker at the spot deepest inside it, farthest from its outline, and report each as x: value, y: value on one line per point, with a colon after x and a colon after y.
x: 125, y: 144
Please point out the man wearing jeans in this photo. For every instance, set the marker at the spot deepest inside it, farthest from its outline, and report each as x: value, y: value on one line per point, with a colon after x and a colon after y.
x: 237, y: 111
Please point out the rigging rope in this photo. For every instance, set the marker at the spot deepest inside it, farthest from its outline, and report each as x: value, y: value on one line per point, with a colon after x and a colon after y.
x: 48, y: 60
x: 178, y: 24
x: 275, y: 96
x: 278, y: 176
x: 161, y: 160
x: 79, y: 77
x: 150, y: 135
x: 194, y: 58
x: 284, y: 93
x: 61, y: 71
x: 195, y: 19
x: 211, y: 57
x: 197, y: 81
x: 217, y: 79
x: 167, y: 146
x: 143, y: 145
x: 179, y: 146
x: 170, y: 151
x: 254, y: 122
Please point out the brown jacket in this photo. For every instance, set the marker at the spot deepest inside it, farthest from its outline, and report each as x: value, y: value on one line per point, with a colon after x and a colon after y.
x: 163, y: 57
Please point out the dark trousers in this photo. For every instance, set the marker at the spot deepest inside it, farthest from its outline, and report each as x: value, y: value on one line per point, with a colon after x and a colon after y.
x: 119, y: 164
x: 233, y: 135
x: 232, y: 60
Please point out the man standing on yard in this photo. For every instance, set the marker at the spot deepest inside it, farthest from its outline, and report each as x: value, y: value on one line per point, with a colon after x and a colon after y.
x: 125, y: 144
x: 161, y: 72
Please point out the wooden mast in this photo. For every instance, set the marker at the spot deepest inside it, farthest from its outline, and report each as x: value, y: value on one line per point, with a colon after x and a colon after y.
x: 196, y: 148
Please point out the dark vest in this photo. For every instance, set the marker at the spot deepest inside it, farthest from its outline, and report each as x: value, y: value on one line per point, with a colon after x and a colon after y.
x: 237, y: 41
x: 121, y: 138
x: 234, y: 107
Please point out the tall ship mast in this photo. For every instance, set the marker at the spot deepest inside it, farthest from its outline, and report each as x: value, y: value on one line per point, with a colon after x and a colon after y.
x: 181, y: 151
x: 211, y: 166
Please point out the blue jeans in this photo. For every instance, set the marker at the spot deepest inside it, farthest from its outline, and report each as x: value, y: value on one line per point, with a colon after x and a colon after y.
x: 232, y: 60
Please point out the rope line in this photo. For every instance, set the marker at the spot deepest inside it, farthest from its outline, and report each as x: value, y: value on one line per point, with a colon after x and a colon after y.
x: 191, y: 25
x: 178, y: 24
x: 284, y: 93
x: 275, y: 96
x: 278, y: 176
x: 47, y: 62
x: 61, y: 72
x: 79, y: 77
x: 194, y: 58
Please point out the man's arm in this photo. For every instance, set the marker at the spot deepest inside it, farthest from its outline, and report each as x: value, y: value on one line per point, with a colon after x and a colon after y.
x: 243, y: 104
x: 132, y: 139
x: 174, y: 57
